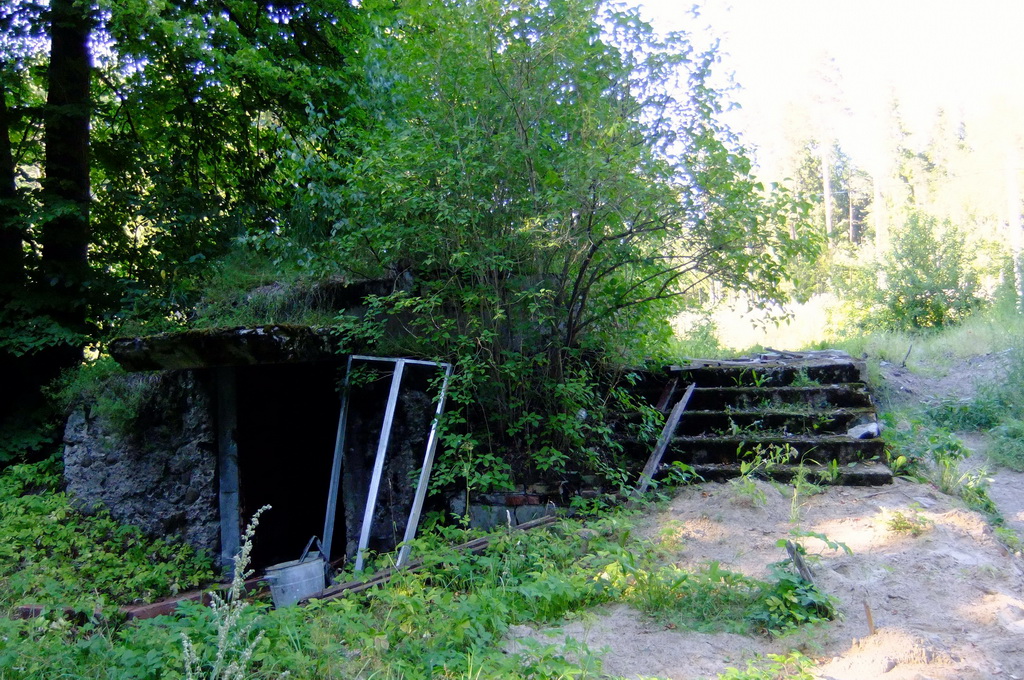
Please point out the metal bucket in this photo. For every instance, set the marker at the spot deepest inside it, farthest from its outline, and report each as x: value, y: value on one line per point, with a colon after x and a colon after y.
x: 298, y: 579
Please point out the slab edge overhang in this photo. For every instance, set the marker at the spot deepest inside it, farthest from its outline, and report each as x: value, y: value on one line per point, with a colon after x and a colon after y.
x: 234, y: 346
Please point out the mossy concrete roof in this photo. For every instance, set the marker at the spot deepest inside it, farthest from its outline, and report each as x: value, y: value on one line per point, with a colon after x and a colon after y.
x: 238, y: 346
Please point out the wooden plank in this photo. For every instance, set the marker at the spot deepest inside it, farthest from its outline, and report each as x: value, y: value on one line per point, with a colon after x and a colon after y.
x: 667, y: 394
x: 663, y: 441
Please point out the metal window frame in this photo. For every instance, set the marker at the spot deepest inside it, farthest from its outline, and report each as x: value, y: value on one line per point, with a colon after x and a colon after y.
x: 378, y: 466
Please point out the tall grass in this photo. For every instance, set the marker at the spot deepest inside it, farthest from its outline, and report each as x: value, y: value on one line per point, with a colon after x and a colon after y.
x: 997, y: 328
x: 825, y: 322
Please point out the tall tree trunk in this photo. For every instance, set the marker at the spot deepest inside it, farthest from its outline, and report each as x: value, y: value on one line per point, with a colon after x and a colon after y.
x: 16, y: 371
x: 878, y: 216
x: 854, y: 235
x: 65, y: 235
x: 1013, y: 222
x: 56, y: 296
x: 826, y: 187
x: 12, y: 256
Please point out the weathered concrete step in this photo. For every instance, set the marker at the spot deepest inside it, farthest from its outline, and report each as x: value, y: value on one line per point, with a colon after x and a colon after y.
x: 855, y: 474
x: 836, y: 421
x: 808, y: 448
x: 848, y: 395
x: 712, y: 374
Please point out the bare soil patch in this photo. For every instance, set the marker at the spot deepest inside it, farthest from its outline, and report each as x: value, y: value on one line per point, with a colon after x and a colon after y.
x: 946, y: 605
x: 958, y: 378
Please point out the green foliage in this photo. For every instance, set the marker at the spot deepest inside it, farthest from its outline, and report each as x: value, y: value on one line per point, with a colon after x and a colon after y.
x: 913, y: 523
x: 543, y: 576
x: 757, y: 462
x: 934, y: 453
x: 803, y: 379
x: 929, y: 279
x: 790, y: 602
x: 714, y: 599
x: 700, y: 339
x: 110, y: 392
x: 680, y: 474
x: 911, y: 436
x: 19, y: 442
x: 55, y: 555
x: 1010, y: 538
x: 959, y: 414
x: 997, y: 408
x: 470, y: 470
x: 1007, y: 444
x: 800, y: 534
x: 794, y: 666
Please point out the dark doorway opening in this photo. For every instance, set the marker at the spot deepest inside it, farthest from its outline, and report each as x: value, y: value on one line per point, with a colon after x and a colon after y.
x: 287, y: 421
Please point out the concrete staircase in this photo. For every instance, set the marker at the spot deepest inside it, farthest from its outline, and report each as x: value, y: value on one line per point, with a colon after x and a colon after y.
x: 808, y: 408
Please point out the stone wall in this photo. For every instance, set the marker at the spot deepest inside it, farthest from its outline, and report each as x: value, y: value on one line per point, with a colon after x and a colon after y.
x: 158, y: 471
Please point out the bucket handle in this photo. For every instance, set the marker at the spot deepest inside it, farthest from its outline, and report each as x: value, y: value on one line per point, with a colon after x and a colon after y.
x: 309, y: 545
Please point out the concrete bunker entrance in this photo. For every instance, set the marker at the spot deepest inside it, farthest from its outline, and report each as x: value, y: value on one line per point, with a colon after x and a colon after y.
x: 287, y: 416
x: 285, y: 432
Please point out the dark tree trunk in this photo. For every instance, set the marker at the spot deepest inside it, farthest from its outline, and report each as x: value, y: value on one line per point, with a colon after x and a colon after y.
x: 65, y: 235
x: 12, y: 256
x: 53, y: 301
x: 16, y: 371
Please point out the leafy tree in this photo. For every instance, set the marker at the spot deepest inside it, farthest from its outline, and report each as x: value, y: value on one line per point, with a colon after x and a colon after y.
x: 929, y: 278
x: 191, y: 151
x: 545, y: 180
x: 140, y: 169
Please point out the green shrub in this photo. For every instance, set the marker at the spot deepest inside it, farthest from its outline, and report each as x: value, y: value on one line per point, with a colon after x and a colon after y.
x: 929, y: 277
x: 959, y: 414
x: 794, y: 666
x: 110, y: 392
x: 1007, y: 443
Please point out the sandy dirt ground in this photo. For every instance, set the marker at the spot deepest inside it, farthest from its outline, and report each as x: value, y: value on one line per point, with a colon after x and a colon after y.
x: 947, y: 604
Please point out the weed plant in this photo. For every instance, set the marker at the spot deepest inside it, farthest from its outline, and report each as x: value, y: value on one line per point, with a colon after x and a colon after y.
x: 52, y: 554
x: 446, y: 620
x: 918, y: 448
x: 758, y: 463
x: 112, y: 393
x: 912, y: 522
x: 803, y: 379
x: 235, y: 637
x: 794, y: 666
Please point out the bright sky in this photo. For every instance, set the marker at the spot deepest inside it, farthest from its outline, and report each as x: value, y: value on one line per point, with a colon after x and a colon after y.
x: 964, y: 56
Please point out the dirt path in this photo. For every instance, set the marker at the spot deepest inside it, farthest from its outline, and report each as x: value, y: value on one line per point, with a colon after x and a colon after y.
x: 946, y: 605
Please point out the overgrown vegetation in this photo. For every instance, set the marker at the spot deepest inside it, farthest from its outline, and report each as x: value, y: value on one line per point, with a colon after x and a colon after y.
x: 997, y: 408
x: 933, y: 453
x: 537, y: 187
x: 55, y: 555
x: 539, y: 577
x: 540, y: 186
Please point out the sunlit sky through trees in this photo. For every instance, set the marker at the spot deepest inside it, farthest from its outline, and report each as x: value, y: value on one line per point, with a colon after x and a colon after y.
x: 841, y: 64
